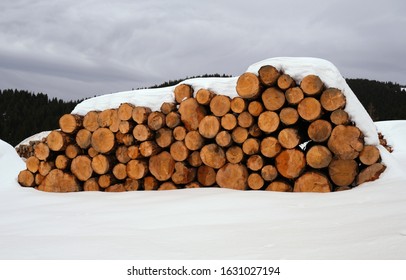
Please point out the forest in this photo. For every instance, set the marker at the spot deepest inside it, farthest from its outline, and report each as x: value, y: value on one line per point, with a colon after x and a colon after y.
x: 24, y: 113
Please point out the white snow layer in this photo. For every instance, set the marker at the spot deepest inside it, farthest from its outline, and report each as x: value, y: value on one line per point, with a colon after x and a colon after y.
x: 296, y: 67
x: 368, y: 222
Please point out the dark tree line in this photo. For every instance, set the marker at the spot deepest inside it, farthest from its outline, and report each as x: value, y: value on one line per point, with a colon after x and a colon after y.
x: 24, y: 113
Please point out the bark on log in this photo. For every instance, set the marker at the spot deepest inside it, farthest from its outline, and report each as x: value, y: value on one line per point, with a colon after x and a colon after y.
x: 371, y: 173
x: 149, y: 148
x: 209, y: 127
x: 224, y: 139
x: 268, y: 75
x: 311, y: 85
x: 346, y: 142
x: 194, y: 140
x: 273, y: 99
x: 312, y: 182
x: 206, y: 175
x: 285, y: 82
x: 332, y: 99
x: 268, y: 121
x: 369, y: 155
x: 289, y: 138
x: 204, y: 96
x: 103, y: 140
x: 41, y: 151
x: 183, y: 92
x: 83, y: 138
x: 58, y: 140
x: 73, y: 151
x: 248, y: 86
x: 120, y: 171
x: 137, y: 169
x: 289, y: 116
x: 220, y: 105
x: 234, y: 154
x: 232, y: 176
x: 172, y: 119
x: 228, y: 121
x: 255, y: 108
x: 125, y: 111
x: 319, y: 130
x: 269, y: 173
x: 26, y: 178
x: 91, y: 185
x: 239, y: 134
x: 70, y: 123
x: 294, y: 95
x: 194, y: 159
x: 142, y: 132
x: 150, y: 183
x: 156, y: 120
x: 122, y: 154
x: 255, y: 162
x: 343, y: 171
x: 251, y: 146
x: 255, y: 181
x: 318, y: 157
x: 309, y: 109
x: 290, y: 163
x: 164, y: 137
x: 179, y: 151
x: 162, y: 166
x: 213, y: 155
x: 59, y: 181
x: 339, y: 117
x: 132, y: 184
x: 179, y: 133
x: 245, y: 119
x: 140, y: 114
x: 191, y: 113
x: 270, y: 147
x: 238, y: 105
x: 183, y: 174
x: 279, y: 186
x: 101, y: 164
x: 32, y: 164
x: 81, y: 167
x: 90, y: 121
x: 168, y: 107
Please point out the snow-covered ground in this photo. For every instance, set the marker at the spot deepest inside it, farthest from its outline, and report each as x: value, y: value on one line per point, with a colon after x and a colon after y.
x: 368, y: 222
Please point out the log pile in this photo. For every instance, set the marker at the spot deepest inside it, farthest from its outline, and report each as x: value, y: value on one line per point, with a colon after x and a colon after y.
x: 277, y: 135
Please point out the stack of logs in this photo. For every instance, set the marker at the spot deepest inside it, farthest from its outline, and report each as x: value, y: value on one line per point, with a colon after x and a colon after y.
x: 276, y: 135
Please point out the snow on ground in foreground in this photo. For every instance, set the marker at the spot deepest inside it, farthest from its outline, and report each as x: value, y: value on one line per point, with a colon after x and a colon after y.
x: 368, y: 222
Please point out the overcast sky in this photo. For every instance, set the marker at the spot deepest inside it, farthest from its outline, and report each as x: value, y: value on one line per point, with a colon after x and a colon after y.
x: 74, y: 49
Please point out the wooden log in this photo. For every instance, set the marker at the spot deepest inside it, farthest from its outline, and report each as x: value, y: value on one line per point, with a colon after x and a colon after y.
x: 245, y: 119
x: 255, y: 162
x: 83, y: 138
x: 191, y: 113
x: 59, y: 181
x: 26, y: 178
x: 318, y: 157
x: 105, y: 118
x: 294, y: 95
x: 255, y: 181
x: 45, y: 167
x: 270, y: 147
x: 309, y: 109
x: 172, y: 119
x: 120, y: 171
x: 162, y: 166
x: 32, y: 164
x: 289, y: 116
x: 346, y: 142
x: 150, y: 183
x: 81, y: 167
x: 311, y: 85
x: 38, y: 179
x: 312, y: 182
x: 371, y: 173
x: 220, y: 105
x: 213, y: 155
x: 183, y: 174
x: 62, y: 162
x: 58, y: 141
x: 251, y: 146
x: 234, y: 154
x: 115, y: 188
x: 285, y: 82
x: 137, y: 169
x: 194, y: 140
x: 125, y: 127
x: 228, y: 121
x: 206, y: 175
x: 248, y: 86
x: 204, y: 96
x: 179, y: 151
x: 239, y: 134
x: 164, y: 137
x: 289, y: 138
x: 103, y: 140
x: 91, y: 185
x: 224, y: 139
x: 168, y: 107
x: 369, y: 155
x: 238, y: 105
x: 268, y: 121
x: 106, y: 180
x: 149, y: 148
x: 255, y: 108
x: 194, y: 159
x: 126, y: 139
x: 273, y: 99
x: 115, y: 121
x: 232, y: 176
x: 339, y: 116
x: 101, y: 164
x: 122, y: 154
x: 319, y: 130
x: 268, y: 75
x: 140, y: 114
x: 132, y: 184
x: 179, y: 133
x: 134, y: 152
x: 167, y: 186
x: 183, y: 92
x: 332, y: 99
x: 142, y: 132
x: 156, y: 120
x: 90, y: 121
x: 92, y: 152
x: 279, y: 186
x: 125, y: 111
x: 269, y: 173
x: 70, y: 123
x: 73, y: 151
x: 255, y: 131
x: 343, y: 171
x: 209, y: 126
x: 290, y: 163
x: 193, y: 185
